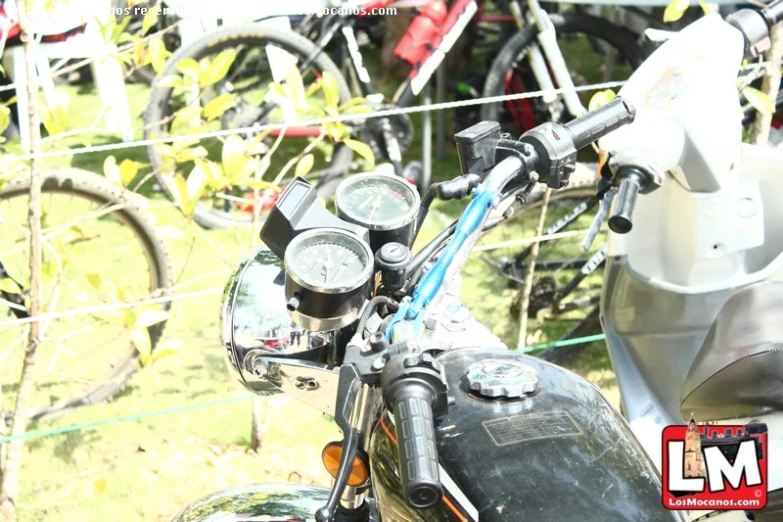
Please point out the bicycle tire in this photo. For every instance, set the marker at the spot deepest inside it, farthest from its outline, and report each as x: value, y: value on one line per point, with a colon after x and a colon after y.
x: 132, y: 213
x: 619, y: 38
x: 214, y: 42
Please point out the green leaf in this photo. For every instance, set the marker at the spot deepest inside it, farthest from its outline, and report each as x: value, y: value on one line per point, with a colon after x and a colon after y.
x: 167, y: 348
x: 141, y: 340
x: 331, y: 91
x: 233, y: 155
x: 353, y: 103
x: 196, y: 182
x: 217, y: 107
x: 214, y: 174
x: 128, y: 171
x: 95, y: 281
x: 112, y: 171
x: 293, y: 80
x: 191, y: 154
x: 304, y: 165
x: 219, y: 67
x: 170, y: 81
x: 149, y: 20
x: 759, y: 100
x: 186, y: 118
x: 675, y: 10
x: 129, y: 318
x: 600, y: 99
x: 9, y: 286
x: 189, y: 68
x: 149, y: 317
x: 363, y: 150
x: 5, y: 117
x: 158, y: 55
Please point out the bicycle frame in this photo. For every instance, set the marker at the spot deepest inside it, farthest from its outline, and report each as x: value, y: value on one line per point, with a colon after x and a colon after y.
x: 544, y: 57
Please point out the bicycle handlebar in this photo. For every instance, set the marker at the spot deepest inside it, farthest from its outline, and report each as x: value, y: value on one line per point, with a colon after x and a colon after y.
x: 621, y: 221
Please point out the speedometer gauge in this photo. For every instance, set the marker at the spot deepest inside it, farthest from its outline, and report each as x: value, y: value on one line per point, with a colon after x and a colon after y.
x: 386, y: 205
x: 328, y: 275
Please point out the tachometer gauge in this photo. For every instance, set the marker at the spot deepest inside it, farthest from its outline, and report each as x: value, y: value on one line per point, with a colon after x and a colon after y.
x: 328, y: 274
x: 386, y: 205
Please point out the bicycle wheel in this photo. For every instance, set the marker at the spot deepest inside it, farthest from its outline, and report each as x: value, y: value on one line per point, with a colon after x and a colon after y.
x: 99, y: 246
x: 248, y: 79
x: 562, y: 298
x: 584, y: 41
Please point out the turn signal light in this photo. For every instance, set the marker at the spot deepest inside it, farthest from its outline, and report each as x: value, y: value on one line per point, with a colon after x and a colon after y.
x: 331, y: 457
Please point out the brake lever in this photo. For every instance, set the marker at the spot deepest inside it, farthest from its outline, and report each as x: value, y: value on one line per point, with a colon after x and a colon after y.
x: 348, y: 389
x: 603, y: 210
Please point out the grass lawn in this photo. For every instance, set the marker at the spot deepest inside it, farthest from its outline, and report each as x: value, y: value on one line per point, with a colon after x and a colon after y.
x: 149, y: 469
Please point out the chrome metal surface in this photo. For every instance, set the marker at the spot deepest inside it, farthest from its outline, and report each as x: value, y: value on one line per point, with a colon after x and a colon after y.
x: 315, y: 384
x: 255, y: 324
x: 291, y: 271
x: 321, y: 324
x: 502, y: 378
x: 344, y: 211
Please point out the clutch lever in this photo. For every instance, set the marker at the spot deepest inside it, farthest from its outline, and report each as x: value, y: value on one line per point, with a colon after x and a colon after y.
x: 348, y: 389
x: 604, y: 202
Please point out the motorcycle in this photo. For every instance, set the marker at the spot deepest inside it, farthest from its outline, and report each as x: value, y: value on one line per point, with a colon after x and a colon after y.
x: 440, y: 421
x: 692, y: 280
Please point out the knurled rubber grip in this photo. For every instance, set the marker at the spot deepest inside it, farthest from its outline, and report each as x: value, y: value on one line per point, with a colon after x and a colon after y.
x: 416, y: 440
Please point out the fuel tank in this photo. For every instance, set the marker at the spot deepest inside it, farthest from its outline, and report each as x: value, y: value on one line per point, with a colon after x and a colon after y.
x: 266, y: 502
x: 559, y: 453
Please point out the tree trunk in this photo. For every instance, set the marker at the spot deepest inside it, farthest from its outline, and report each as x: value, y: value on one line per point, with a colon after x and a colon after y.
x: 12, y: 466
x: 531, y: 269
x: 759, y: 130
x: 259, y: 425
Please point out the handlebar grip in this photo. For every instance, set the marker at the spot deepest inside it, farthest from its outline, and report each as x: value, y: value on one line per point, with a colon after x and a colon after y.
x: 600, y: 122
x: 412, y: 406
x: 625, y: 201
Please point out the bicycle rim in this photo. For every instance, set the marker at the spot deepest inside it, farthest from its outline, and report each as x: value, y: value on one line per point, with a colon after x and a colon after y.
x: 95, y: 249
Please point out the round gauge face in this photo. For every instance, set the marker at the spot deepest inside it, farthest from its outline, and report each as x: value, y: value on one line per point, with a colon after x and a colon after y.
x: 329, y: 260
x: 377, y: 201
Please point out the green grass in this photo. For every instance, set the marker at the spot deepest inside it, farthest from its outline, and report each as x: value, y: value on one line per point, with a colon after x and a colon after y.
x: 151, y: 468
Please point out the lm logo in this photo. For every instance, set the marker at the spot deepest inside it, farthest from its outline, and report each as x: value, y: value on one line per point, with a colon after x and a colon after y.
x: 715, y: 467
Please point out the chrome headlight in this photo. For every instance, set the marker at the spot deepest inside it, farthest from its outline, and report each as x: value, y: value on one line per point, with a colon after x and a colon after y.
x: 255, y: 324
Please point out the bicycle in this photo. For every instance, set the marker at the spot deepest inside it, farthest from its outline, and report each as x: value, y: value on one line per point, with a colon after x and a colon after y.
x: 388, y: 137
x: 91, y: 228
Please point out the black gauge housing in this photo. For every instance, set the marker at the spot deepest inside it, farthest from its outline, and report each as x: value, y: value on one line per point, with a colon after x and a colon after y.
x: 359, y: 197
x: 333, y: 303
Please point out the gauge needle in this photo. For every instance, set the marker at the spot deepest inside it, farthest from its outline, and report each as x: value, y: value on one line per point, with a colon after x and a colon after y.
x: 340, y: 270
x: 378, y: 203
x: 327, y: 265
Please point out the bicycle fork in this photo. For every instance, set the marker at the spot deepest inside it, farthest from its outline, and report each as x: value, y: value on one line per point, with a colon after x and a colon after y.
x: 547, y: 56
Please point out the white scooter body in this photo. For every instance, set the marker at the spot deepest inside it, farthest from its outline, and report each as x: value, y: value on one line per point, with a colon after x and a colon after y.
x: 713, y: 227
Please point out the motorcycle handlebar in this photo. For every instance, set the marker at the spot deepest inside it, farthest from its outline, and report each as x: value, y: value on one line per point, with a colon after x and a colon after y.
x: 600, y: 122
x: 412, y: 407
x: 774, y: 12
x: 621, y: 221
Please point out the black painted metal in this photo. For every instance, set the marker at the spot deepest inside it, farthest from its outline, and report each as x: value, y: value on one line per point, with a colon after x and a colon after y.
x: 563, y: 453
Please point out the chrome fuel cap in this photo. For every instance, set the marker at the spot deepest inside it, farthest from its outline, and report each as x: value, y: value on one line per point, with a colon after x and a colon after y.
x: 502, y: 378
